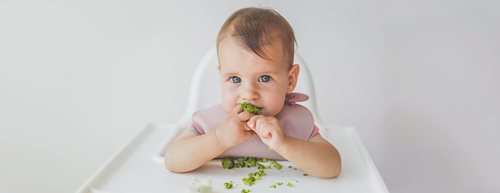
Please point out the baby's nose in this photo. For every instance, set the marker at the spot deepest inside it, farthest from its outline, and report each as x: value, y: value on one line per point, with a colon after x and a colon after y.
x: 249, y: 93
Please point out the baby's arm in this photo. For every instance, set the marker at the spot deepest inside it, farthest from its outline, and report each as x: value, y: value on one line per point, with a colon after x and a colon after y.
x: 316, y: 156
x: 190, y: 151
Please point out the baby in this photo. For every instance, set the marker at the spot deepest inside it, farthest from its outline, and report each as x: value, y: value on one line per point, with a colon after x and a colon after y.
x: 255, y: 47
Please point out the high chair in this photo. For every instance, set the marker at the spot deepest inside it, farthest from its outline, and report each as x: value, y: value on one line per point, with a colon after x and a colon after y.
x: 138, y: 166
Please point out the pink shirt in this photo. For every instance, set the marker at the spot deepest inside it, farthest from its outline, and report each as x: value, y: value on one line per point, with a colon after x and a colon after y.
x: 295, y: 120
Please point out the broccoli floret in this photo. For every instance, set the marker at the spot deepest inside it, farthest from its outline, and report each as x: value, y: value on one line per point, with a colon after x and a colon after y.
x: 276, y: 184
x: 293, y: 168
x: 250, y: 162
x: 240, y: 162
x: 289, y: 184
x: 250, y: 181
x: 251, y: 108
x: 276, y: 165
x: 245, y: 191
x: 227, y: 163
x: 228, y: 185
x: 258, y: 175
x: 261, y: 172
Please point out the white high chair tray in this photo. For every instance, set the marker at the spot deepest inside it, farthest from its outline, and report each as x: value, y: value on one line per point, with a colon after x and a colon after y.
x: 138, y: 168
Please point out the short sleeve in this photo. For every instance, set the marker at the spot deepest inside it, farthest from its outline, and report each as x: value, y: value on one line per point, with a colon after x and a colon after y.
x: 314, y: 132
x: 196, y: 129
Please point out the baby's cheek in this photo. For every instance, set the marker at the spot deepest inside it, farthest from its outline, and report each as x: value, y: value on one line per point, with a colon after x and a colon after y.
x: 228, y: 105
x: 227, y: 102
x: 276, y: 107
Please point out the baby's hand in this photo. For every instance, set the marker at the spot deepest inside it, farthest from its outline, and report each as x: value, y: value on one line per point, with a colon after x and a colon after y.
x: 233, y: 130
x: 268, y: 129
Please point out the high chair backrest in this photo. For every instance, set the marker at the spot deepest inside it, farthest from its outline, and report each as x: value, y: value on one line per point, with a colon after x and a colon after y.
x: 205, y: 88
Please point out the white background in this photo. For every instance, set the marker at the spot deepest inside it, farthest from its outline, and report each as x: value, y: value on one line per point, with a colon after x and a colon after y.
x: 419, y: 79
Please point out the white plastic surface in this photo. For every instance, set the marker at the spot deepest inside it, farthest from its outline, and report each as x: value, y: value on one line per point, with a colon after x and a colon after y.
x: 138, y: 168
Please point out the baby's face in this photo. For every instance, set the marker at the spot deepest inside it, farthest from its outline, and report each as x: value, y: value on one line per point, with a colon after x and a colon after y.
x: 246, y: 77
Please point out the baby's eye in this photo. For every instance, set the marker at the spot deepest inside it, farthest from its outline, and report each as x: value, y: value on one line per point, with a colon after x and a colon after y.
x: 265, y: 78
x: 235, y: 79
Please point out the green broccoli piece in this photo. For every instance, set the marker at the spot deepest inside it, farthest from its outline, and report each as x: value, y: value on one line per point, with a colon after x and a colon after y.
x: 250, y: 181
x: 228, y: 185
x: 227, y: 163
x: 261, y: 172
x: 290, y: 184
x: 251, y: 162
x: 258, y: 175
x: 245, y: 191
x: 276, y: 165
x: 251, y: 108
x: 276, y: 184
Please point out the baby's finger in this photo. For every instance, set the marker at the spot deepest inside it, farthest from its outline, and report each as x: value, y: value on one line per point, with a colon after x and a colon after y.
x: 267, y: 135
x: 252, y: 122
x: 244, y: 116
x: 236, y: 109
x: 263, y: 129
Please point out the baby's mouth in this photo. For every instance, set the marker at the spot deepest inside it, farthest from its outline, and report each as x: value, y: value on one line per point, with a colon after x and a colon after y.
x: 248, y: 107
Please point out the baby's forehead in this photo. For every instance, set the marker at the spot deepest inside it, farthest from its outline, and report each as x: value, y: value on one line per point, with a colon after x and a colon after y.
x: 272, y: 54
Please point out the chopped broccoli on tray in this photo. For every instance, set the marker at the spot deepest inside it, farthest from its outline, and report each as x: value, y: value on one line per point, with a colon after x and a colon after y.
x: 245, y: 191
x: 251, y: 162
x: 276, y: 184
x: 228, y: 185
x: 227, y: 163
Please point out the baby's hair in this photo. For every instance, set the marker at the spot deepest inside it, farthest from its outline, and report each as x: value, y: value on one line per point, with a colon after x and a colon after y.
x: 257, y: 27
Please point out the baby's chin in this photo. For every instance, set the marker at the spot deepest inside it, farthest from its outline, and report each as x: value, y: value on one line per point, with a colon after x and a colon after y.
x: 265, y: 112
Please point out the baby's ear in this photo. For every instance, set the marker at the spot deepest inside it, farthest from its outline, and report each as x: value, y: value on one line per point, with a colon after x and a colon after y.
x: 293, y: 76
